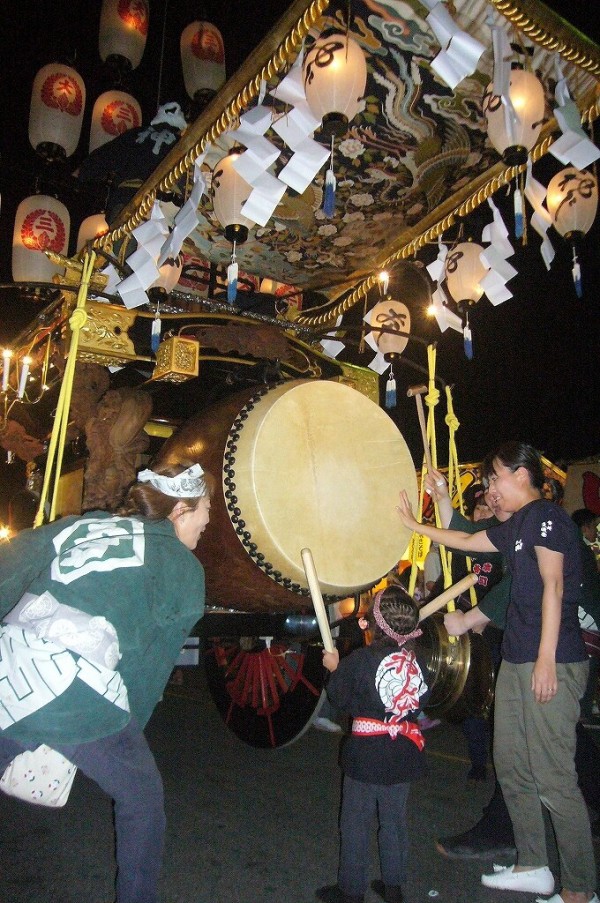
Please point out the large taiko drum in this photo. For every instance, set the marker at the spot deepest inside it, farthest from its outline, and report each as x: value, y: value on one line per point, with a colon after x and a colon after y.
x: 307, y: 463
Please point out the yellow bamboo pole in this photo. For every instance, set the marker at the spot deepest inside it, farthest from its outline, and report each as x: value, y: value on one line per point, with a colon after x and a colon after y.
x: 59, y: 430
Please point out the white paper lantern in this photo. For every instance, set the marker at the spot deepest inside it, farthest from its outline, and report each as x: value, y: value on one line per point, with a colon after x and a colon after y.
x: 514, y: 136
x: 92, y: 227
x: 230, y: 192
x: 464, y: 272
x: 572, y: 201
x: 114, y: 113
x: 42, y: 223
x: 202, y: 59
x: 335, y: 75
x: 392, y: 315
x: 123, y: 31
x: 56, y: 113
x: 169, y: 274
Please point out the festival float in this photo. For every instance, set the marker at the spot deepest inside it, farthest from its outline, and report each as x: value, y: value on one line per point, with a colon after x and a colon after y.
x: 283, y: 225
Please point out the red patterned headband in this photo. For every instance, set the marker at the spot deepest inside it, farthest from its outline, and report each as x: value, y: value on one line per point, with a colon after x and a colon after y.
x: 400, y: 638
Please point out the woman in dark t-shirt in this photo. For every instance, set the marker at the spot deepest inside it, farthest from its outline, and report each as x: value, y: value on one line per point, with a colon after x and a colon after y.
x: 542, y: 676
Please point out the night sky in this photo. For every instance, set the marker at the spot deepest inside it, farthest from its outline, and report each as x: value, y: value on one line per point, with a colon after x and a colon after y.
x: 535, y: 372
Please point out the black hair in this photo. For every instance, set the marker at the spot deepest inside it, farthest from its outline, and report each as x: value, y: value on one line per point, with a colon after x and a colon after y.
x: 584, y: 516
x: 557, y: 493
x: 473, y: 496
x: 400, y: 612
x: 513, y: 455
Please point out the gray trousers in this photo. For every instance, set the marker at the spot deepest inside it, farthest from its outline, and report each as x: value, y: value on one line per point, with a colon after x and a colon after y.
x: 534, y: 755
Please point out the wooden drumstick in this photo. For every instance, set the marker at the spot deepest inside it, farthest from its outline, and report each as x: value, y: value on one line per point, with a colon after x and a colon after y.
x: 416, y: 392
x: 317, y: 599
x: 451, y: 593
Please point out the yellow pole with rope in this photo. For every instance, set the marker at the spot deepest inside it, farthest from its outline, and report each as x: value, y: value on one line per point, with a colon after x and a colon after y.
x: 59, y: 430
x: 454, y: 470
x: 431, y: 399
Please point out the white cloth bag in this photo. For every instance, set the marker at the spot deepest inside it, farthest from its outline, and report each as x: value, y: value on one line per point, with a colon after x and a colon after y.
x: 41, y: 776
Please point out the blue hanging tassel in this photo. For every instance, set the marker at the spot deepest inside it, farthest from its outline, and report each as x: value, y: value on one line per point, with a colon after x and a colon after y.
x: 329, y: 198
x: 576, y: 273
x: 518, y: 205
x: 468, y: 342
x: 390, y: 390
x: 330, y: 186
x: 232, y: 277
x: 155, y: 335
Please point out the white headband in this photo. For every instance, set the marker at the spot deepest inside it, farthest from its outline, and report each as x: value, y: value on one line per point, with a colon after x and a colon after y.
x: 187, y: 485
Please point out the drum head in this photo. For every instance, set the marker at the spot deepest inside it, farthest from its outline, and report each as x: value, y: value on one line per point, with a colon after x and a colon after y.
x: 318, y: 465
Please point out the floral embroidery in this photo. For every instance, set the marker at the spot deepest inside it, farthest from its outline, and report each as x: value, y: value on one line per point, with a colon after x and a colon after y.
x: 546, y: 528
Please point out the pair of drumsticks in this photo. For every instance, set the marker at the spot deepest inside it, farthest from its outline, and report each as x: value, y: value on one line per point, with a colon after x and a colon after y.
x: 323, y: 621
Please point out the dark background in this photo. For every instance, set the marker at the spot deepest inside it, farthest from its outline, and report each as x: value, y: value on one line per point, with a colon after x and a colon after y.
x: 535, y: 371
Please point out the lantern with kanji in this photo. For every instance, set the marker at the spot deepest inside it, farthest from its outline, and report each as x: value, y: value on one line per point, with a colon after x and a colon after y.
x: 335, y: 74
x: 114, y: 113
x: 123, y: 32
x: 202, y: 60
x: 515, y: 122
x: 56, y: 112
x: 42, y: 223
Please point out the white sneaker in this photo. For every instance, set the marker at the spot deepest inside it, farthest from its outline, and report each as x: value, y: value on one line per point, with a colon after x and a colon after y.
x: 533, y: 881
x: 325, y: 724
x: 558, y: 899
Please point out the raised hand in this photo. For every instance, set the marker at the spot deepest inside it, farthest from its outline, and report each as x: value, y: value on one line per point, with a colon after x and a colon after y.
x: 405, y: 511
x: 436, y: 485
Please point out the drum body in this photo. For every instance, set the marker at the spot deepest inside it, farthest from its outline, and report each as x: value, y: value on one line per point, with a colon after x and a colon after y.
x: 460, y: 673
x: 305, y: 464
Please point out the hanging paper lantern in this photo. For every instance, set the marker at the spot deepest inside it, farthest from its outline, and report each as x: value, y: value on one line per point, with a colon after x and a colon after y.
x: 572, y: 201
x: 464, y: 272
x: 168, y: 274
x: 123, y: 31
x: 514, y: 134
x: 114, y: 113
x: 92, y: 227
x: 56, y: 112
x: 202, y: 60
x: 335, y: 75
x: 163, y: 285
x: 42, y: 223
x: 392, y: 315
x: 229, y: 193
